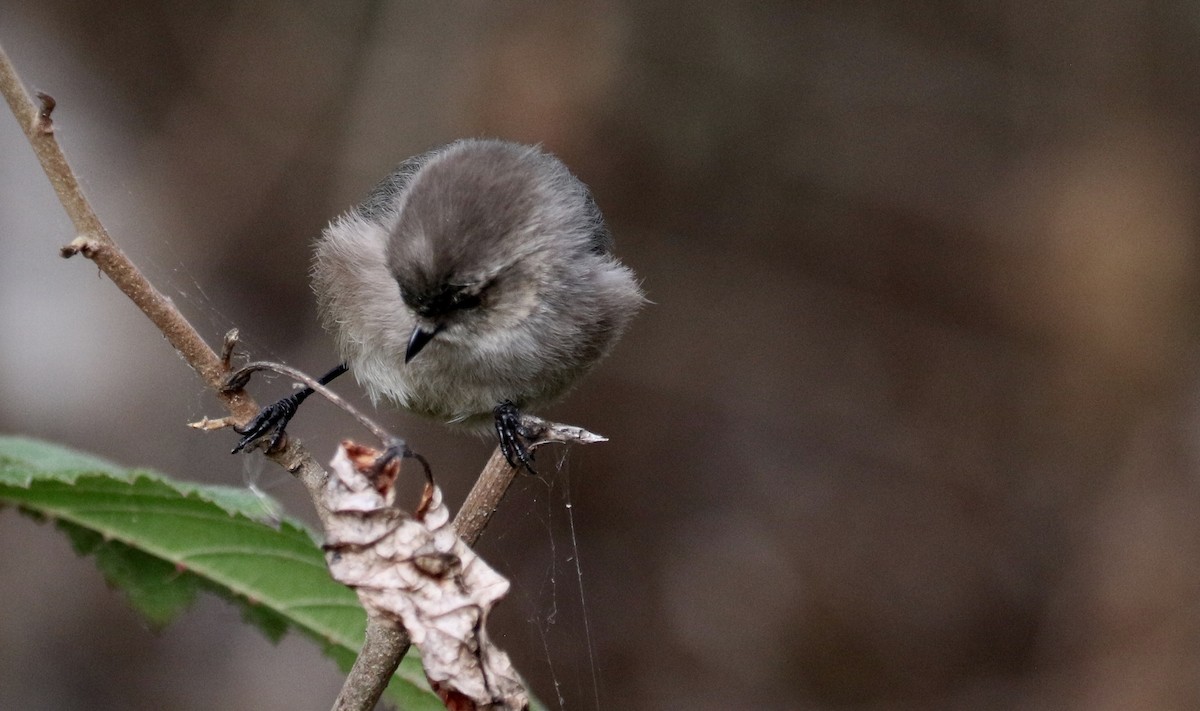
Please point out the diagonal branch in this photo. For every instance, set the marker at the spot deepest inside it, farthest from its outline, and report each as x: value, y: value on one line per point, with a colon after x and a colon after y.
x: 384, y: 645
x: 95, y: 244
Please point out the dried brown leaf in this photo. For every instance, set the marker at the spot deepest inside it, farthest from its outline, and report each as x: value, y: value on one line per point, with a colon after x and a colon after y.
x: 414, y: 570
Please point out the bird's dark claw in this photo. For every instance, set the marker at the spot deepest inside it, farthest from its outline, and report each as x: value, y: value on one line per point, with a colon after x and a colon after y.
x: 271, y: 420
x: 394, y: 449
x: 513, y: 435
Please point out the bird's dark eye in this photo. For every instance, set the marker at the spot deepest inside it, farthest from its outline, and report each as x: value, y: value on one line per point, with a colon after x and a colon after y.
x: 464, y: 300
x: 442, y: 300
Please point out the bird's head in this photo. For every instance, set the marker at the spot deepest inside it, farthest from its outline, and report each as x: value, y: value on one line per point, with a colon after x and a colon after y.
x: 466, y: 245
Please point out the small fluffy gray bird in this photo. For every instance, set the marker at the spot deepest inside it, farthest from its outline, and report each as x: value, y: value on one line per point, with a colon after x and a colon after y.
x: 475, y: 281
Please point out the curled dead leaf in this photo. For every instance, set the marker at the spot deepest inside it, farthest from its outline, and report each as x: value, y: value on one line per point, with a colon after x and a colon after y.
x: 415, y: 571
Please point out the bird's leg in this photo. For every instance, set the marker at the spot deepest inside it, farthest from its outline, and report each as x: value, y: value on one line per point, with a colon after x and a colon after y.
x: 273, y: 418
x: 512, y: 435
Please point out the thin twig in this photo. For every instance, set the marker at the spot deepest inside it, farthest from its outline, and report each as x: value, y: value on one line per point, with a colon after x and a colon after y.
x: 242, y: 376
x: 95, y: 244
x: 383, y: 641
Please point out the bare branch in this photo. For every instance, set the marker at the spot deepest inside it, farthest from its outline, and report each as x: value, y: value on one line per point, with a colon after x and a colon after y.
x: 385, y: 645
x: 497, y: 475
x: 484, y: 497
x: 94, y: 242
x: 383, y: 641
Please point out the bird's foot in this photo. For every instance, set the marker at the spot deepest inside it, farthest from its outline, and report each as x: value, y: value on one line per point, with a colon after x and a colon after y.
x: 513, y: 436
x: 271, y: 420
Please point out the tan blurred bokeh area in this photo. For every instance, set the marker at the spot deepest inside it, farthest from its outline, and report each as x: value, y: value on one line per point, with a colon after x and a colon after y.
x: 911, y: 424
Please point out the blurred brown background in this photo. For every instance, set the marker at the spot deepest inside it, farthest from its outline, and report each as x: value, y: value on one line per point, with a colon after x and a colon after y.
x: 912, y: 422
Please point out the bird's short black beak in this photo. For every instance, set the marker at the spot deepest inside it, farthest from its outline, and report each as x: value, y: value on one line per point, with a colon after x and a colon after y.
x: 418, y: 340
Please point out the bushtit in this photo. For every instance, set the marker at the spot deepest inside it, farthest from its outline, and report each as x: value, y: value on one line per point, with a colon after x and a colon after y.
x: 475, y: 281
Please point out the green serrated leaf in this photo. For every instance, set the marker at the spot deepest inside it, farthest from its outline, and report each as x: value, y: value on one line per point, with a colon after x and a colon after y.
x: 153, y: 586
x: 160, y: 541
